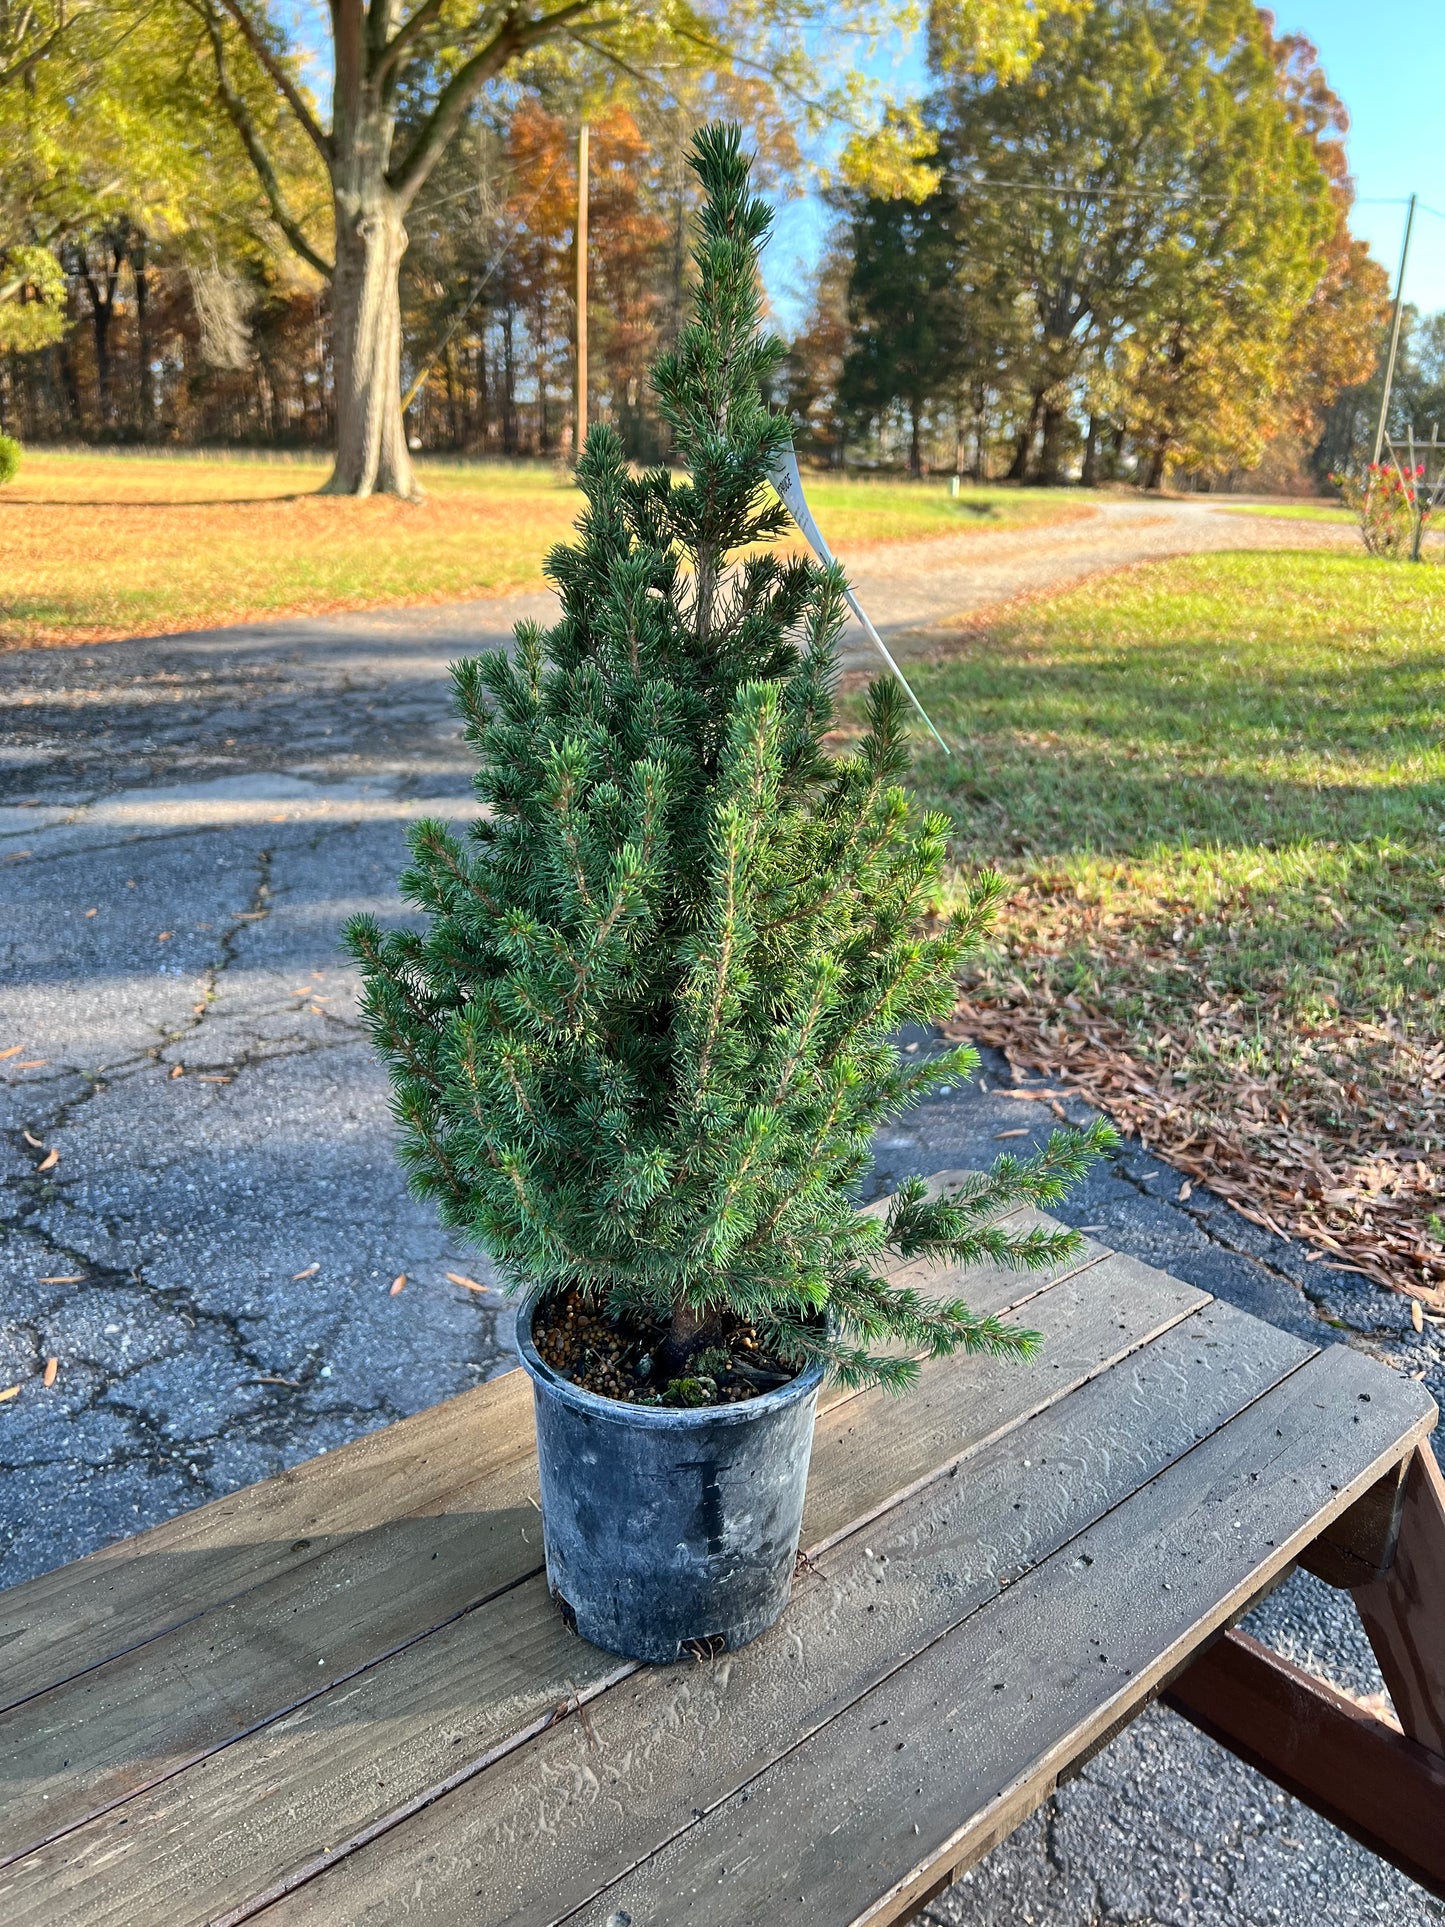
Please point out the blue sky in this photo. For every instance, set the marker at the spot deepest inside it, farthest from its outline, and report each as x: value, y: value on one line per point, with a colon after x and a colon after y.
x: 1386, y: 61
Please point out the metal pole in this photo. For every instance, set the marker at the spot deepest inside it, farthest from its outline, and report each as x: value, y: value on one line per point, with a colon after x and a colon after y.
x: 582, y: 185
x: 1394, y: 336
x: 1417, y: 489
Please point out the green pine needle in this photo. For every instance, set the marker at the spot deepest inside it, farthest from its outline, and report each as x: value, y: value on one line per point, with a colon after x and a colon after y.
x: 646, y: 1038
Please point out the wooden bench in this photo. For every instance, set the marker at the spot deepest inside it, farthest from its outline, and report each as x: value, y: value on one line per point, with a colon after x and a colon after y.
x: 344, y: 1695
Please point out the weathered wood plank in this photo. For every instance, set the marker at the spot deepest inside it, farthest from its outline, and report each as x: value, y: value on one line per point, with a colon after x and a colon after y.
x: 1382, y: 1788
x: 1360, y: 1545
x: 543, y: 1828
x: 1404, y: 1611
x: 147, y: 1713
x: 856, y: 1821
x: 910, y: 1438
x: 60, y: 1624
x: 397, y: 1731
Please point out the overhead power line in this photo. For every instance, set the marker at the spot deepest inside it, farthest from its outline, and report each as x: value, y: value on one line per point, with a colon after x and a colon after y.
x: 1093, y: 193
x: 1186, y: 195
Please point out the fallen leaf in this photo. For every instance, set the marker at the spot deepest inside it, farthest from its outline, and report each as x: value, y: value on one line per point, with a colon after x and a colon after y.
x: 11, y: 1391
x: 275, y: 819
x: 35, y: 1143
x: 1021, y: 1132
x: 71, y: 1278
x: 14, y: 1051
x: 92, y: 913
x: 50, y: 1160
x: 470, y: 1284
x: 310, y: 1272
x: 178, y: 1070
x: 1186, y: 1191
x: 52, y: 1366
x: 247, y: 916
x: 397, y: 1283
x: 1417, y: 1317
x: 163, y: 936
x: 212, y: 1080
x: 267, y: 1379
x: 14, y: 856
x: 32, y: 1063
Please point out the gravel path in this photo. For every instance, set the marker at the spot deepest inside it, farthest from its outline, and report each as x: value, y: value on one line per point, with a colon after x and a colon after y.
x: 186, y: 822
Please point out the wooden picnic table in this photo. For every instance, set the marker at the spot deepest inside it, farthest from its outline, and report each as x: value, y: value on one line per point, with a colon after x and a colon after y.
x: 344, y: 1695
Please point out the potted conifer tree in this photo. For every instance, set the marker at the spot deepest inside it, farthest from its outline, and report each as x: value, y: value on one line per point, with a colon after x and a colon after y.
x: 640, y: 1052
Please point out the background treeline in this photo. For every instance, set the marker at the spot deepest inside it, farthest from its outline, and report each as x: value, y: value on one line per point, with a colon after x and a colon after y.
x: 154, y: 287
x: 1129, y: 260
x: 183, y: 339
x: 1134, y: 260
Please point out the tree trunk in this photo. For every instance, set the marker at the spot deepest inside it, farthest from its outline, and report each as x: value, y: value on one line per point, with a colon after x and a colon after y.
x: 1019, y: 468
x: 147, y: 394
x: 688, y: 1333
x: 454, y: 407
x: 70, y: 382
x: 1051, y: 471
x: 915, y: 442
x: 371, y: 450
x: 1089, y: 474
x: 100, y: 287
x: 509, y: 384
x: 1155, y: 477
x: 481, y: 422
x: 980, y: 405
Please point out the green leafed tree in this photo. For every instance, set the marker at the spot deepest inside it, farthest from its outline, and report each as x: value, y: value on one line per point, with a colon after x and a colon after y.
x: 644, y: 1041
x: 1149, y: 190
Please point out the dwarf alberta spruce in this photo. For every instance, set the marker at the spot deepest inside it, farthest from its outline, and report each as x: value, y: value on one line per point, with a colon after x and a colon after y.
x: 642, y: 1047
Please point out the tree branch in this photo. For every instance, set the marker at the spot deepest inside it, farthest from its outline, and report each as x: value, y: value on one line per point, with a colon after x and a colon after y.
x: 251, y: 141
x: 405, y: 34
x: 295, y: 100
x: 28, y: 60
x: 511, y: 38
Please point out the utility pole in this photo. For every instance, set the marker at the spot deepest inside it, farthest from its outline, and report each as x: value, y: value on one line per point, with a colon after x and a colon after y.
x: 1394, y: 336
x: 582, y: 173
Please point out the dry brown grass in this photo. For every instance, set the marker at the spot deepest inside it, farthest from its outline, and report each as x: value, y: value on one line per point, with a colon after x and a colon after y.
x: 94, y: 547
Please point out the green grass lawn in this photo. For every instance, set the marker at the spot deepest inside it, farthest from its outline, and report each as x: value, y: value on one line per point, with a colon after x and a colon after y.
x: 1219, y: 787
x: 1293, y: 511
x: 95, y: 545
x: 855, y: 512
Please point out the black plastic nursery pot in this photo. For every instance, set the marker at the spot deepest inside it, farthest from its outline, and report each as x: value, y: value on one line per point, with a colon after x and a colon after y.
x: 669, y: 1533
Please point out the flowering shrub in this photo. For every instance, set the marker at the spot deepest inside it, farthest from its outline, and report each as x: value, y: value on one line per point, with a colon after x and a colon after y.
x: 1388, y: 503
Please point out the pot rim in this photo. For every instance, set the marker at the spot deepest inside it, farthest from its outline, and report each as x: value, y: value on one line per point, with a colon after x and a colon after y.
x: 661, y: 1418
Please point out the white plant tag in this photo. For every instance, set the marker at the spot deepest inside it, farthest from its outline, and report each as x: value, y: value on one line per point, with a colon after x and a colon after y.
x: 786, y: 479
